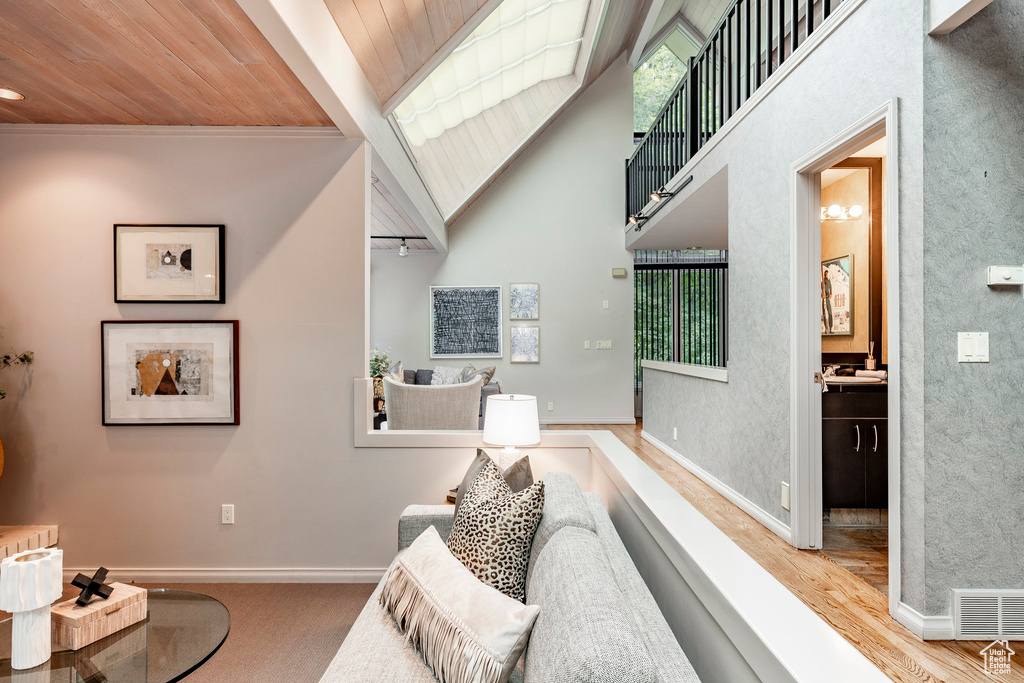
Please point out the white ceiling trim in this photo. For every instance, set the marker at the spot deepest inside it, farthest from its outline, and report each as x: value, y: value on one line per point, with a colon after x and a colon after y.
x: 646, y: 29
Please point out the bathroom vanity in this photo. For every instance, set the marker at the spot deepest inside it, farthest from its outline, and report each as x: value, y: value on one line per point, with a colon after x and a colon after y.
x: 855, y: 446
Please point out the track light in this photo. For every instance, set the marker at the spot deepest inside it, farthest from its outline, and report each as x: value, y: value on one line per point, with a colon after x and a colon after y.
x: 658, y: 195
x: 403, y: 249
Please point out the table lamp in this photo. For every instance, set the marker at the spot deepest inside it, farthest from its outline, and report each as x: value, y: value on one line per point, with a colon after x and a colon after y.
x: 510, y: 421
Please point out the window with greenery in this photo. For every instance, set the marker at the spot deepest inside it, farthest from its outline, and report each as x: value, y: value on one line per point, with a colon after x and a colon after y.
x: 680, y: 307
x: 657, y: 76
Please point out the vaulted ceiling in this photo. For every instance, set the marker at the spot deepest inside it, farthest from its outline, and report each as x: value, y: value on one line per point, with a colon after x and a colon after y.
x: 172, y: 62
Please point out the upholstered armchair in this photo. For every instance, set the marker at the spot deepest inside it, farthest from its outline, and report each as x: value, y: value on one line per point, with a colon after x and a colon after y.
x: 433, y: 407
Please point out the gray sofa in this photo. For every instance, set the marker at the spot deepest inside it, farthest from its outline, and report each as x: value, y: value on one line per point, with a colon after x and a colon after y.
x: 598, y: 621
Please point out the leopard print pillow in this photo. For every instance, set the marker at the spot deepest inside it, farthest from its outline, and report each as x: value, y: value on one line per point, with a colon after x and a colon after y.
x: 494, y: 530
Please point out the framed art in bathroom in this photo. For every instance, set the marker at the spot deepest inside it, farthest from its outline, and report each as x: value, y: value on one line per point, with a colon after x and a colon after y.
x: 837, y: 297
x: 169, y: 264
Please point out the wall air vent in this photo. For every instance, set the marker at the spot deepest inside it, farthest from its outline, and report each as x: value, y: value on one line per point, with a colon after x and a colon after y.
x: 988, y: 614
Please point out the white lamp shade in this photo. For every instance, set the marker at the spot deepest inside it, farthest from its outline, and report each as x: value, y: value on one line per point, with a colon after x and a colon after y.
x: 511, y: 420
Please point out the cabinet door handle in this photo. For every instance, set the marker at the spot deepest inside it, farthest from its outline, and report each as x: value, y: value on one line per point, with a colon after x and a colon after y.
x: 857, y: 427
x: 875, y: 427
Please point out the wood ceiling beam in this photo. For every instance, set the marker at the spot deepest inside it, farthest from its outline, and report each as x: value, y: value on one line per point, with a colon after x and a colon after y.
x: 449, y: 47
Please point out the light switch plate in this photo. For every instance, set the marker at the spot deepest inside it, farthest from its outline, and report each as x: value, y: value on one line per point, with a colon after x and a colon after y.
x: 604, y: 344
x: 972, y: 347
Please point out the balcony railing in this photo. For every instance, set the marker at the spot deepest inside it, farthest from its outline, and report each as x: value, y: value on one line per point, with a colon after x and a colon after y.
x: 752, y: 40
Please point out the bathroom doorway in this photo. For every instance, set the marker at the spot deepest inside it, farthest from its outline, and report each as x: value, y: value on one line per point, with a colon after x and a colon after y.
x: 835, y: 332
x: 854, y: 354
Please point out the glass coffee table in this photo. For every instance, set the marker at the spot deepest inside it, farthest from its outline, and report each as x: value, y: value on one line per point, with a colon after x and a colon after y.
x: 182, y: 630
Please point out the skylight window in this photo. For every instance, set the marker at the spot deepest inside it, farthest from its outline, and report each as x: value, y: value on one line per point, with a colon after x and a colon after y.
x: 522, y: 43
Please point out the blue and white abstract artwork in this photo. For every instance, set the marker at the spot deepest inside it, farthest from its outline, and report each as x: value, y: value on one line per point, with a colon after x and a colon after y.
x: 525, y: 345
x: 465, y: 322
x: 524, y: 301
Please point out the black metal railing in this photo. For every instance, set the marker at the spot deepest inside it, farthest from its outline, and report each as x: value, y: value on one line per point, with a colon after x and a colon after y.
x: 680, y: 308
x: 747, y: 46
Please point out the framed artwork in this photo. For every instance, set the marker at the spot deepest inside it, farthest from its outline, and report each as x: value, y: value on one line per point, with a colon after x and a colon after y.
x: 169, y: 264
x: 465, y: 322
x: 525, y: 342
x: 170, y: 372
x: 524, y: 301
x: 837, y: 297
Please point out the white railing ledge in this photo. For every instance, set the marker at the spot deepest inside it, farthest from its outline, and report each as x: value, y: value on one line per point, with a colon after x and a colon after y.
x: 688, y: 369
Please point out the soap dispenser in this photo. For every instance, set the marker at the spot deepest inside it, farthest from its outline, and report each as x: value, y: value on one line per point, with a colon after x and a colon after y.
x: 869, y: 362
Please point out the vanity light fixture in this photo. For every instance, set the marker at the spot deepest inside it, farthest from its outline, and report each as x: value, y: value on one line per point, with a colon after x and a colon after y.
x: 8, y: 94
x: 836, y: 212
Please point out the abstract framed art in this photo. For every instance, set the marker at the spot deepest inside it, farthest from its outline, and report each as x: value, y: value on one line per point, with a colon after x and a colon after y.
x: 837, y: 297
x: 525, y: 343
x: 169, y: 264
x: 524, y: 301
x: 170, y: 372
x: 465, y: 322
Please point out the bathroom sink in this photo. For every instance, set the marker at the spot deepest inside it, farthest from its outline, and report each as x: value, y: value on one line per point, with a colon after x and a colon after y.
x: 853, y: 380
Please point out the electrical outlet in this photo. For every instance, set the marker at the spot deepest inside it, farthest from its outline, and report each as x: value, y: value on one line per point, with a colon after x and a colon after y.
x: 227, y: 514
x: 785, y: 496
x: 675, y: 433
x: 551, y: 405
x: 606, y: 304
x: 604, y: 344
x: 586, y: 345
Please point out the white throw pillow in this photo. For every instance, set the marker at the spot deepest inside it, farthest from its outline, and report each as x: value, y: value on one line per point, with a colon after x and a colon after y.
x: 445, y: 375
x: 466, y: 631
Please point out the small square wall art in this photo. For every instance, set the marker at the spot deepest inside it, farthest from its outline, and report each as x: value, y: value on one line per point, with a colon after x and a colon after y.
x: 525, y: 344
x: 524, y: 301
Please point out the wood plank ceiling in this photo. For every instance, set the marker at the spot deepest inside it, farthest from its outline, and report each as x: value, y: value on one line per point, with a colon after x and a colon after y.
x: 161, y: 62
x: 392, y: 39
x: 387, y: 218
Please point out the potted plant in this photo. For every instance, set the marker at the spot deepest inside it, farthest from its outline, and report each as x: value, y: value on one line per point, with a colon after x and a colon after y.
x: 380, y: 362
x: 6, y: 361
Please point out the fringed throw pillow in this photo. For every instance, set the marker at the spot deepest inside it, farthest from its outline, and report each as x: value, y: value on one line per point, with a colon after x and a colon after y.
x: 494, y: 530
x: 467, y: 632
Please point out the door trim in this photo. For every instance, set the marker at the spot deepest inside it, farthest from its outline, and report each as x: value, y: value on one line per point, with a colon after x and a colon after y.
x: 805, y: 330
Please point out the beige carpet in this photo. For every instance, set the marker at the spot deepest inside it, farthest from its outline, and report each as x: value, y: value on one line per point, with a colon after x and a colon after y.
x: 280, y: 632
x: 286, y: 632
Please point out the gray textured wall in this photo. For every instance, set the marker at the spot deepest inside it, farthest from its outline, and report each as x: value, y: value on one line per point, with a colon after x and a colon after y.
x: 739, y: 431
x: 974, y: 218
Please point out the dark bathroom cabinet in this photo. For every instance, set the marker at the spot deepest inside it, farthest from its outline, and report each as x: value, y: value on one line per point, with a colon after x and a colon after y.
x: 855, y: 447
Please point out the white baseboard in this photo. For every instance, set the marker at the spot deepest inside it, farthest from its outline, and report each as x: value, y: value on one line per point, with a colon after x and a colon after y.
x: 925, y: 628
x: 775, y: 526
x: 235, y: 575
x: 589, y: 421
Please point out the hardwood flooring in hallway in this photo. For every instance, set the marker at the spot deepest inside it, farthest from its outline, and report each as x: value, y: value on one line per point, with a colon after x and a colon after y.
x: 852, y: 607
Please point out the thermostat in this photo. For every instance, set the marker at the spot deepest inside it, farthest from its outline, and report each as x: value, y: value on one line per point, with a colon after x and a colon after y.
x: 1005, y: 276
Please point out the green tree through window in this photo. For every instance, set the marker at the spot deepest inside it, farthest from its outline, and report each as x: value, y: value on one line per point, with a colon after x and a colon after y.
x: 653, y: 82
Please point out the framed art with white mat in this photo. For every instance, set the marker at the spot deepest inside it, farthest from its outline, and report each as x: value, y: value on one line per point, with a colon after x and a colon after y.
x: 169, y: 264
x: 170, y: 372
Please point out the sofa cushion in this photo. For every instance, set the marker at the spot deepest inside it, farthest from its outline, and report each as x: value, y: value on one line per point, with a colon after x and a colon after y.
x: 564, y: 506
x: 518, y: 476
x: 584, y: 633
x: 446, y: 375
x: 410, y: 376
x: 469, y: 373
x: 397, y: 372
x: 424, y: 376
x: 466, y: 631
x: 670, y: 663
x: 494, y: 529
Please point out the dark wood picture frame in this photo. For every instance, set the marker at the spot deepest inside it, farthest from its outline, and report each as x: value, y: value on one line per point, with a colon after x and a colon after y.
x: 232, y: 413
x: 136, y: 269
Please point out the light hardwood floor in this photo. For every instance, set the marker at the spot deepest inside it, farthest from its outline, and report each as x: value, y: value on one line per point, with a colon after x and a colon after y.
x: 852, y: 607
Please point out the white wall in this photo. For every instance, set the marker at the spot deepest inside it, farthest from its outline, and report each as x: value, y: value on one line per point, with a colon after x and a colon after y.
x: 555, y: 218
x: 295, y: 207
